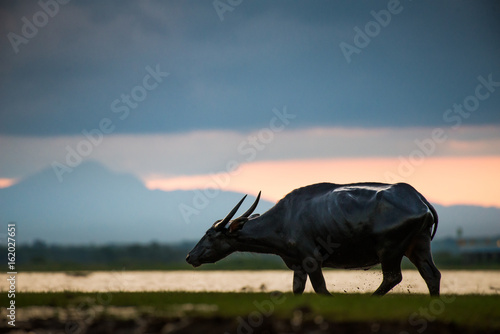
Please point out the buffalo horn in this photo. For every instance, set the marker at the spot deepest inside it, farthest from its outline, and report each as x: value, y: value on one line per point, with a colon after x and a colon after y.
x: 252, y: 208
x: 230, y: 215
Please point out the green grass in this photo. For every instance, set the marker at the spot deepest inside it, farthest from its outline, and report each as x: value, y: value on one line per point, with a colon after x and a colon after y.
x: 469, y: 310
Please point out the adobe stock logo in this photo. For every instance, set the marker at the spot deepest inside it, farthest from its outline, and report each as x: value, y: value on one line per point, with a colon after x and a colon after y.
x: 122, y: 107
x: 29, y: 30
x: 455, y: 115
x: 221, y: 7
x: 248, y: 150
x: 372, y: 29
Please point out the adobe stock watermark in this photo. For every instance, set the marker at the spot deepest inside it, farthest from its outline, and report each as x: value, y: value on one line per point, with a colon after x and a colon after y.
x: 420, y: 319
x: 264, y: 309
x: 454, y: 116
x: 248, y: 150
x: 89, y: 309
x: 372, y: 29
x: 223, y: 6
x: 323, y: 250
x: 121, y: 106
x: 29, y: 29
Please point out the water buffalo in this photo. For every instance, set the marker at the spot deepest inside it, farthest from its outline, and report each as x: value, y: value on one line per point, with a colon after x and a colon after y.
x: 355, y: 225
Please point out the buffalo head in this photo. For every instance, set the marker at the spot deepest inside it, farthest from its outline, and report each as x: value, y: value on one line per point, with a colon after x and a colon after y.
x: 217, y: 243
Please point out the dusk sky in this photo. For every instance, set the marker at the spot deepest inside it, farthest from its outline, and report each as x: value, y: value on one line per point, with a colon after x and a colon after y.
x: 256, y: 95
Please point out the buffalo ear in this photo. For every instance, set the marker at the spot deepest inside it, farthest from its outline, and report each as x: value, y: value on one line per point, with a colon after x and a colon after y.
x: 215, y: 225
x: 237, y: 224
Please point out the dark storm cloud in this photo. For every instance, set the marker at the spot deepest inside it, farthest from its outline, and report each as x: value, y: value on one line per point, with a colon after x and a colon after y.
x: 229, y: 74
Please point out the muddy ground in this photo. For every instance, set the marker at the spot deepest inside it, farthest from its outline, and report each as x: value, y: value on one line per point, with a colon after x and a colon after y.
x: 338, y: 281
x: 302, y: 321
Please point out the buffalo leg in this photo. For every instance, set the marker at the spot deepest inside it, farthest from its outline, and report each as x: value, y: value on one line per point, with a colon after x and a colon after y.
x: 318, y: 281
x: 391, y: 269
x: 421, y: 257
x: 299, y: 281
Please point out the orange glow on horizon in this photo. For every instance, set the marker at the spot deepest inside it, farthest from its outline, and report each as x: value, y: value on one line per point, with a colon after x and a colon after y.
x: 5, y: 183
x: 443, y: 180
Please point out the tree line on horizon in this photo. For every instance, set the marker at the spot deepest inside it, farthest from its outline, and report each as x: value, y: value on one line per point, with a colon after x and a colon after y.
x: 40, y: 256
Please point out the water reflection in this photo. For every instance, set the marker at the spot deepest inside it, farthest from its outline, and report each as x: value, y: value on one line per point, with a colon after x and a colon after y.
x: 338, y: 281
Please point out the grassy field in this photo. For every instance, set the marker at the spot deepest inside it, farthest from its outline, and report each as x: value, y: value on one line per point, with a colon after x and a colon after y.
x: 415, y: 313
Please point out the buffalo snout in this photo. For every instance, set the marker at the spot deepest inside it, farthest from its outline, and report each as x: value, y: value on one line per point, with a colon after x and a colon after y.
x: 195, y: 263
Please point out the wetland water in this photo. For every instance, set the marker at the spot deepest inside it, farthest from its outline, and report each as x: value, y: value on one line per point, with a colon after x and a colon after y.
x: 338, y: 281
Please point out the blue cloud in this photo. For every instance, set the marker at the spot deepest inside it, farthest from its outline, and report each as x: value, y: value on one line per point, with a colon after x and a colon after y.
x: 228, y: 74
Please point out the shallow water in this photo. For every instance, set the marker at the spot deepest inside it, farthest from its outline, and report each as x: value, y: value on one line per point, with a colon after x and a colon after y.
x: 338, y: 281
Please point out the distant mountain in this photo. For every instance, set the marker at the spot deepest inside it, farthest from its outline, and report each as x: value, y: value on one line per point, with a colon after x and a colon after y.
x: 475, y: 221
x: 96, y: 205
